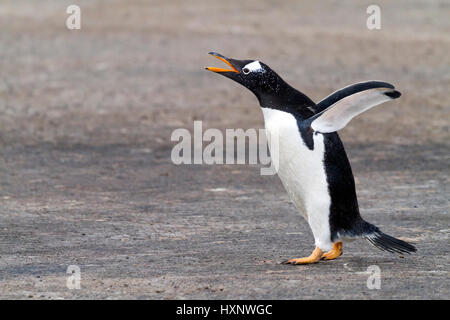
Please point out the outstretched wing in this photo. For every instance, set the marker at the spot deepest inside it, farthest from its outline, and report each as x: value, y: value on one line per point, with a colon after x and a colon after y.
x: 336, y: 110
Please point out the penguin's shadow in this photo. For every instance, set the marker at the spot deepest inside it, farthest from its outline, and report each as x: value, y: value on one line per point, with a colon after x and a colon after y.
x: 357, y: 263
x: 354, y: 263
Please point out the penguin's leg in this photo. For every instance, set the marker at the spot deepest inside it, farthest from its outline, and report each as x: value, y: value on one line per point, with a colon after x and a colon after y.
x: 313, y: 258
x: 318, y: 220
x: 333, y: 253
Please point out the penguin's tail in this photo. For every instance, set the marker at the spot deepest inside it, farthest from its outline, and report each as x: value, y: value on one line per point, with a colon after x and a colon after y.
x: 387, y: 243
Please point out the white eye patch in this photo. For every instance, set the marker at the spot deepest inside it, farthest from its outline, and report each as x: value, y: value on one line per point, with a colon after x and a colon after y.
x: 254, y: 66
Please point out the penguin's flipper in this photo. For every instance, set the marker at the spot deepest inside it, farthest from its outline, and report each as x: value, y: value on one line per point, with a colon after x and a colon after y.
x: 340, y: 107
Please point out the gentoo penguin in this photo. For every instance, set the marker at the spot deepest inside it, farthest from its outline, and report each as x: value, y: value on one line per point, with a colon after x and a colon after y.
x: 312, y: 163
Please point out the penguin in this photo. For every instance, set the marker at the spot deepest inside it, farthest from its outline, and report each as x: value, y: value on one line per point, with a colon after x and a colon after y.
x: 312, y: 163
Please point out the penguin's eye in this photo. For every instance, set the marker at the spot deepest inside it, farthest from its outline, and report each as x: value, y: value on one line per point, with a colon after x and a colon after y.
x: 246, y: 70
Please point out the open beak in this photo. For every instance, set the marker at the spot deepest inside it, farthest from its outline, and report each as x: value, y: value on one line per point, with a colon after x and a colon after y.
x: 224, y: 59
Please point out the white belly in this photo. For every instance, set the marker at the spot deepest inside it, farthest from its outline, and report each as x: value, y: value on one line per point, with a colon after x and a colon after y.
x: 302, y: 172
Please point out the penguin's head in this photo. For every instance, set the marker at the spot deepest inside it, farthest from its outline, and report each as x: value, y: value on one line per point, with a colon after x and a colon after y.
x: 252, y: 74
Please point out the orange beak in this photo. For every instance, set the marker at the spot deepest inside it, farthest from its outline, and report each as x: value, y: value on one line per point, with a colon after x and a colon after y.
x: 220, y: 57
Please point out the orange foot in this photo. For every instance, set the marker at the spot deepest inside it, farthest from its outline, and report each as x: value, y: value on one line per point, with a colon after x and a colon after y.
x: 313, y: 258
x: 333, y: 253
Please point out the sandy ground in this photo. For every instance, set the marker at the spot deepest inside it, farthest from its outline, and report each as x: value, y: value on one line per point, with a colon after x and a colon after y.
x: 86, y: 177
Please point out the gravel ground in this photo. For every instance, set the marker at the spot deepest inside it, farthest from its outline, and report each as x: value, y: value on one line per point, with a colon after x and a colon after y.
x: 86, y: 177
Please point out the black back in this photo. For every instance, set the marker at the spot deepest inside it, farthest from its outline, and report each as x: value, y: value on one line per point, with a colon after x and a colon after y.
x: 345, y: 218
